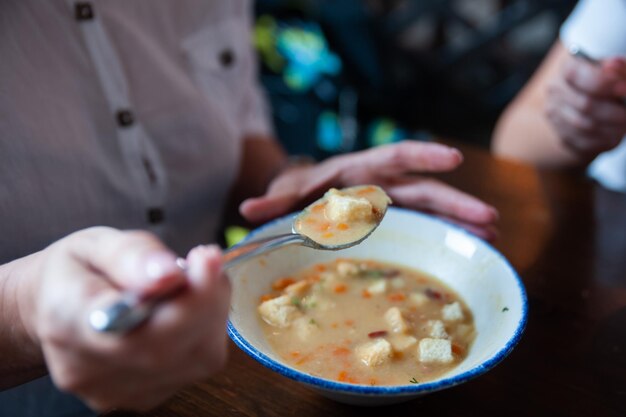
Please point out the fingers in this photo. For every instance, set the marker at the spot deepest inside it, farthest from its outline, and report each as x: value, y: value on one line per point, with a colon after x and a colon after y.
x: 616, y: 67
x: 439, y: 198
x: 487, y: 232
x: 183, y: 341
x: 597, y: 111
x: 589, y: 78
x: 293, y: 190
x: 269, y: 206
x: 131, y: 260
x: 404, y: 157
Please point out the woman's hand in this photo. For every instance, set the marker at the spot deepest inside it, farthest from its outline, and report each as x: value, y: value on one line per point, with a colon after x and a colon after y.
x: 183, y: 342
x: 585, y: 105
x: 397, y: 169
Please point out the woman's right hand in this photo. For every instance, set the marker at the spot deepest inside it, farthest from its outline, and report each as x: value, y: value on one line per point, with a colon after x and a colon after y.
x: 585, y: 105
x: 183, y: 342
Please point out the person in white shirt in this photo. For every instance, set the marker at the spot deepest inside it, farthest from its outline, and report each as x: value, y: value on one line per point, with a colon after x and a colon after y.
x: 146, y: 116
x: 572, y: 113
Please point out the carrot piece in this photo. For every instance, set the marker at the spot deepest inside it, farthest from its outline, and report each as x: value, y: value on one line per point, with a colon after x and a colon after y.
x: 340, y: 288
x: 266, y: 297
x: 349, y: 322
x: 340, y: 351
x: 294, y: 354
x: 457, y: 349
x: 318, y: 207
x: 324, y: 227
x: 366, y: 294
x: 343, y: 226
x: 327, y: 235
x: 282, y: 283
x: 342, y: 377
x: 304, y: 359
x: 320, y: 267
x: 396, y: 297
x: 334, y: 325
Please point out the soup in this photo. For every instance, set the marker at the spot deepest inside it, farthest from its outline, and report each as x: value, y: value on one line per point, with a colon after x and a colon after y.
x: 343, y: 216
x: 366, y: 322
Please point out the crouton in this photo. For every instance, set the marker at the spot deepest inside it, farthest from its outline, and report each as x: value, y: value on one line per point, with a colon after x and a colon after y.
x: 347, y: 269
x: 344, y: 208
x: 434, y: 351
x: 418, y: 299
x: 378, y: 287
x: 279, y: 311
x: 394, y: 318
x: 401, y: 342
x: 374, y: 353
x: 436, y: 329
x: 452, y: 312
x: 297, y: 288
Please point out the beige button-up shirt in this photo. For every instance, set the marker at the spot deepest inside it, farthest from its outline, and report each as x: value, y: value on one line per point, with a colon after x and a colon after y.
x: 122, y: 113
x: 128, y: 113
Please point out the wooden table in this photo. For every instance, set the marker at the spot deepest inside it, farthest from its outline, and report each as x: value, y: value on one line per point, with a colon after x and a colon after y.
x: 567, y: 239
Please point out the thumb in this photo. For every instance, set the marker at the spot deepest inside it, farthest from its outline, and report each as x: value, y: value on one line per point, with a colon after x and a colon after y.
x: 268, y: 206
x: 132, y: 260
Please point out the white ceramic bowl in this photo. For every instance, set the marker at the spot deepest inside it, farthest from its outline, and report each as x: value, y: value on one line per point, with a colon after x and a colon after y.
x: 475, y: 270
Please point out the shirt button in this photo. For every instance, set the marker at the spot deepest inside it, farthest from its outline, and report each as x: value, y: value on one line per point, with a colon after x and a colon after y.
x: 227, y: 58
x: 125, y: 118
x: 156, y: 215
x: 83, y: 11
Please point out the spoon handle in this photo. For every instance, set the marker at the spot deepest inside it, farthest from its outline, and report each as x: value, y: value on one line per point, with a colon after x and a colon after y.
x: 132, y: 309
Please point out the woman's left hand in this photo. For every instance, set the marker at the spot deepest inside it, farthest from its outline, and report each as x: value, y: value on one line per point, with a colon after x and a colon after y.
x: 396, y: 168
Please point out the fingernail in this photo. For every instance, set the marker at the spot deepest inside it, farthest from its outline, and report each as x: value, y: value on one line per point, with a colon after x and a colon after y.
x: 457, y: 153
x: 161, y: 264
x: 495, y: 213
x: 198, y: 267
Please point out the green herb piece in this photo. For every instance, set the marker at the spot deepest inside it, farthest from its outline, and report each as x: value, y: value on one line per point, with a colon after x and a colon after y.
x: 414, y: 381
x: 372, y: 273
x: 312, y: 321
x: 505, y: 309
x: 295, y: 301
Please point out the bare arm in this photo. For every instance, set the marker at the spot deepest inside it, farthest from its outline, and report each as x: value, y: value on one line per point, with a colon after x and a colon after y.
x: 523, y: 131
x: 22, y: 359
x: 261, y: 161
x: 571, y: 111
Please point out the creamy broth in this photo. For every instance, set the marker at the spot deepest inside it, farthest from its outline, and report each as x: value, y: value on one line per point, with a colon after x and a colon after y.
x: 366, y: 322
x: 343, y: 216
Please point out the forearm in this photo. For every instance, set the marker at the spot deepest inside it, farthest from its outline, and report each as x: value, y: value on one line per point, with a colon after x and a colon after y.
x: 261, y: 161
x: 524, y: 133
x: 21, y: 357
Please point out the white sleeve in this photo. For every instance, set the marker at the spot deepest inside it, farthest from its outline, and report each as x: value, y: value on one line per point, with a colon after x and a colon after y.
x: 598, y: 27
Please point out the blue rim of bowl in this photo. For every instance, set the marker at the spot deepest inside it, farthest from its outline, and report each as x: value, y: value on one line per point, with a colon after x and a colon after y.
x: 436, y: 385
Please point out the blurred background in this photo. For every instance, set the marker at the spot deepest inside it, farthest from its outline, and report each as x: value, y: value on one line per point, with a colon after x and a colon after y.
x: 343, y: 75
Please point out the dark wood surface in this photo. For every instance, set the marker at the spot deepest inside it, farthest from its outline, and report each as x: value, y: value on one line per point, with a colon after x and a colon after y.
x: 567, y: 238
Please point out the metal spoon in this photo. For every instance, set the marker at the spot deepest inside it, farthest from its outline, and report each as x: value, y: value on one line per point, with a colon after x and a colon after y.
x: 133, y: 309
